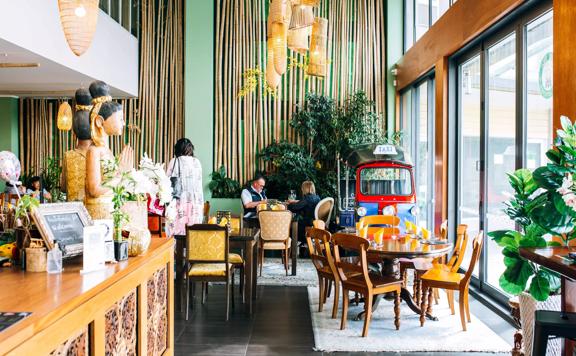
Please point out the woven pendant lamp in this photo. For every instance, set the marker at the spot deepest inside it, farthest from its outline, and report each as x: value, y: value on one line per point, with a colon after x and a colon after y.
x: 277, y: 11
x: 302, y: 16
x: 279, y: 40
x: 314, y: 3
x: 78, y: 19
x: 64, y: 121
x: 272, y: 77
x: 298, y: 39
x: 318, y: 44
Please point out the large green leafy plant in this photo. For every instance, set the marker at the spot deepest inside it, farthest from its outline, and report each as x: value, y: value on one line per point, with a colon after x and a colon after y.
x: 543, y: 205
x: 223, y: 186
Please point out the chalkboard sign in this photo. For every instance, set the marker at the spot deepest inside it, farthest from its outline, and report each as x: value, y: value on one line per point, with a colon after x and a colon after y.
x: 63, y: 223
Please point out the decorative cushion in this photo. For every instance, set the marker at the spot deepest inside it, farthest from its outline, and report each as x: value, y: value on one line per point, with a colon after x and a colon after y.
x: 208, y: 269
x: 274, y: 245
x: 235, y: 258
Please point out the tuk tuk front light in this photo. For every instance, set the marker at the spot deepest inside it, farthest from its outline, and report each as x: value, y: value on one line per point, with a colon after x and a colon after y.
x: 389, y: 210
x: 361, y: 211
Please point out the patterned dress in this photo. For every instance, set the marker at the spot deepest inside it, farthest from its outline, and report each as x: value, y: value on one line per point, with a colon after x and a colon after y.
x: 190, y: 207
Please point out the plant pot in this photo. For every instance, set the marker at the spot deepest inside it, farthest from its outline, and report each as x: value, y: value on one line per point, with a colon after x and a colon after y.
x: 36, y: 259
x: 121, y: 250
x: 528, y: 305
x: 21, y: 240
x: 137, y: 213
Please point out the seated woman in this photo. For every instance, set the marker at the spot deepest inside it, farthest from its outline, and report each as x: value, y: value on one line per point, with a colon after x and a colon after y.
x: 34, y: 189
x: 304, y: 208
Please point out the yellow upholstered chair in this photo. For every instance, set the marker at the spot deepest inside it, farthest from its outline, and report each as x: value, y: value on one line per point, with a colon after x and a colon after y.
x: 261, y: 207
x: 451, y: 281
x: 207, y: 260
x: 235, y: 258
x: 355, y: 277
x: 275, y: 234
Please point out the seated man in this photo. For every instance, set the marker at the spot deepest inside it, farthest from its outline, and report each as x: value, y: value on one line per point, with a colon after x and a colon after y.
x: 253, y: 196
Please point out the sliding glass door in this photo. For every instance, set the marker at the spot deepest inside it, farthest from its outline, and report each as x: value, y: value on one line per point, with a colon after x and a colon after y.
x: 504, y: 119
x: 417, y: 116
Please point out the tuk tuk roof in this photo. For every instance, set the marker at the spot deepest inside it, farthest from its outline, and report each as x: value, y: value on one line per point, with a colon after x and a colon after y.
x: 363, y: 154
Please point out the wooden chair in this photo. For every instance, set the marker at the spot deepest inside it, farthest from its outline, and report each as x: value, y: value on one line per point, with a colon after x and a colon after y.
x: 451, y: 281
x: 360, y: 280
x: 323, y: 210
x: 236, y: 259
x: 319, y: 248
x: 319, y: 224
x: 261, y: 207
x: 275, y: 234
x: 207, y: 260
x: 375, y: 223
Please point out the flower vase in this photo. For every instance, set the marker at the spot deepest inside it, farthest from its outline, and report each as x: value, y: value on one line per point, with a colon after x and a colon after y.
x: 138, y: 241
x: 137, y: 212
x: 120, y: 245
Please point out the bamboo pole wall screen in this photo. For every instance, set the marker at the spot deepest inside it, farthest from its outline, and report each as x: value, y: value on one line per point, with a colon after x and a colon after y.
x: 244, y: 126
x: 154, y: 121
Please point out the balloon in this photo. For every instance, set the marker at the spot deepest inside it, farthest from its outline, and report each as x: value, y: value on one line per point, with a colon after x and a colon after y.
x: 9, y: 167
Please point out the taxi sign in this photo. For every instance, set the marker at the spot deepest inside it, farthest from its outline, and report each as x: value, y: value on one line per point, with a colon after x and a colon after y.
x: 385, y: 150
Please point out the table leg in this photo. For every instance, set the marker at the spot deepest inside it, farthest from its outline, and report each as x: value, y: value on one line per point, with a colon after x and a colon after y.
x: 255, y: 248
x: 294, y: 246
x: 179, y: 283
x: 249, y: 275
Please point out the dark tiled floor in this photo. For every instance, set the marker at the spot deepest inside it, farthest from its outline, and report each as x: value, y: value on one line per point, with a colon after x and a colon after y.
x: 281, y: 325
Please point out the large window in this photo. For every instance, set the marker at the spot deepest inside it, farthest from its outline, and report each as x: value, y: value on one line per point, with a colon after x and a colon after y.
x: 419, y: 16
x: 417, y: 116
x: 504, y: 116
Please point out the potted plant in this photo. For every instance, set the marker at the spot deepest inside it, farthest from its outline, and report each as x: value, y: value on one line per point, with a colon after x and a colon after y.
x: 24, y: 226
x: 544, y: 208
x: 225, y: 191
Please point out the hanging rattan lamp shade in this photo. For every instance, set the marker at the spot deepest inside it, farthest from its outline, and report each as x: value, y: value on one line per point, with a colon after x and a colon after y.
x: 78, y: 19
x: 272, y: 77
x: 279, y: 44
x: 318, y: 43
x: 298, y: 39
x: 277, y: 12
x: 64, y: 121
x: 302, y: 16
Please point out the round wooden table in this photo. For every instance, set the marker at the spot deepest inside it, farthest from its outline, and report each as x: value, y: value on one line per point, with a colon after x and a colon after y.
x: 405, y: 246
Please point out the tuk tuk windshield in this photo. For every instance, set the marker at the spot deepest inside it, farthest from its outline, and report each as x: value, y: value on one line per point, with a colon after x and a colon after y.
x: 385, y: 181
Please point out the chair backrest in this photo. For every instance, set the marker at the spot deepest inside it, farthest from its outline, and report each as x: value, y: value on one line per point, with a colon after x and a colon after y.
x: 206, y: 212
x: 318, y: 241
x: 207, y: 243
x: 476, y: 251
x: 388, y: 220
x: 323, y: 209
x: 459, y: 248
x: 275, y: 225
x: 357, y: 245
x: 319, y: 224
x: 261, y: 207
x: 385, y: 231
x: 444, y: 230
x: 236, y: 223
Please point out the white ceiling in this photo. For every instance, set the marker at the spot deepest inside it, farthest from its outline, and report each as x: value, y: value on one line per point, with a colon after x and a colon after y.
x: 50, y: 79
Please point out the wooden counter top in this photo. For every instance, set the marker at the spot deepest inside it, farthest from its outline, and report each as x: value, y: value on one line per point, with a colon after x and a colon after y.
x: 49, y: 297
x: 551, y: 258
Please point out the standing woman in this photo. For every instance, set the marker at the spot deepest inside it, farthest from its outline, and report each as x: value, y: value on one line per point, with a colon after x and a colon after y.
x: 190, y: 205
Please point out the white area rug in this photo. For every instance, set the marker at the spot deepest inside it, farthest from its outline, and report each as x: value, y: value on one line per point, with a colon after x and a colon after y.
x: 436, y: 336
x: 274, y: 274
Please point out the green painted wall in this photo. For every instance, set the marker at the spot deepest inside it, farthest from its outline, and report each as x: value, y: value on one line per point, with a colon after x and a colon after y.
x: 394, y: 49
x: 199, y: 92
x: 8, y: 127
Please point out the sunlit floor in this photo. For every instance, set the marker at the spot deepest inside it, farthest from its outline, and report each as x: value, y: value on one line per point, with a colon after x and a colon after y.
x: 281, y: 325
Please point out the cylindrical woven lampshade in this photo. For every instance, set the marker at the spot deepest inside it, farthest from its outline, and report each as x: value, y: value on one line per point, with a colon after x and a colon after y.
x: 314, y: 3
x: 318, y: 44
x: 64, y: 121
x: 78, y: 19
x: 279, y: 44
x: 302, y: 16
x: 277, y: 11
x: 298, y: 39
x: 272, y: 77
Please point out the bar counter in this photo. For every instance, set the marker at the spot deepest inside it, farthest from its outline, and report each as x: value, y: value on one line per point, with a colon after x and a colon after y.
x: 125, y: 309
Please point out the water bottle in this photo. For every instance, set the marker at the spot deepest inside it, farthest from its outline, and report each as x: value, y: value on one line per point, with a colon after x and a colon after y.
x: 54, y: 263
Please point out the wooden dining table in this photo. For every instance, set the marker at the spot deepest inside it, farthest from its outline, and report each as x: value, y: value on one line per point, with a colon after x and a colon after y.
x: 405, y: 246
x: 245, y: 239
